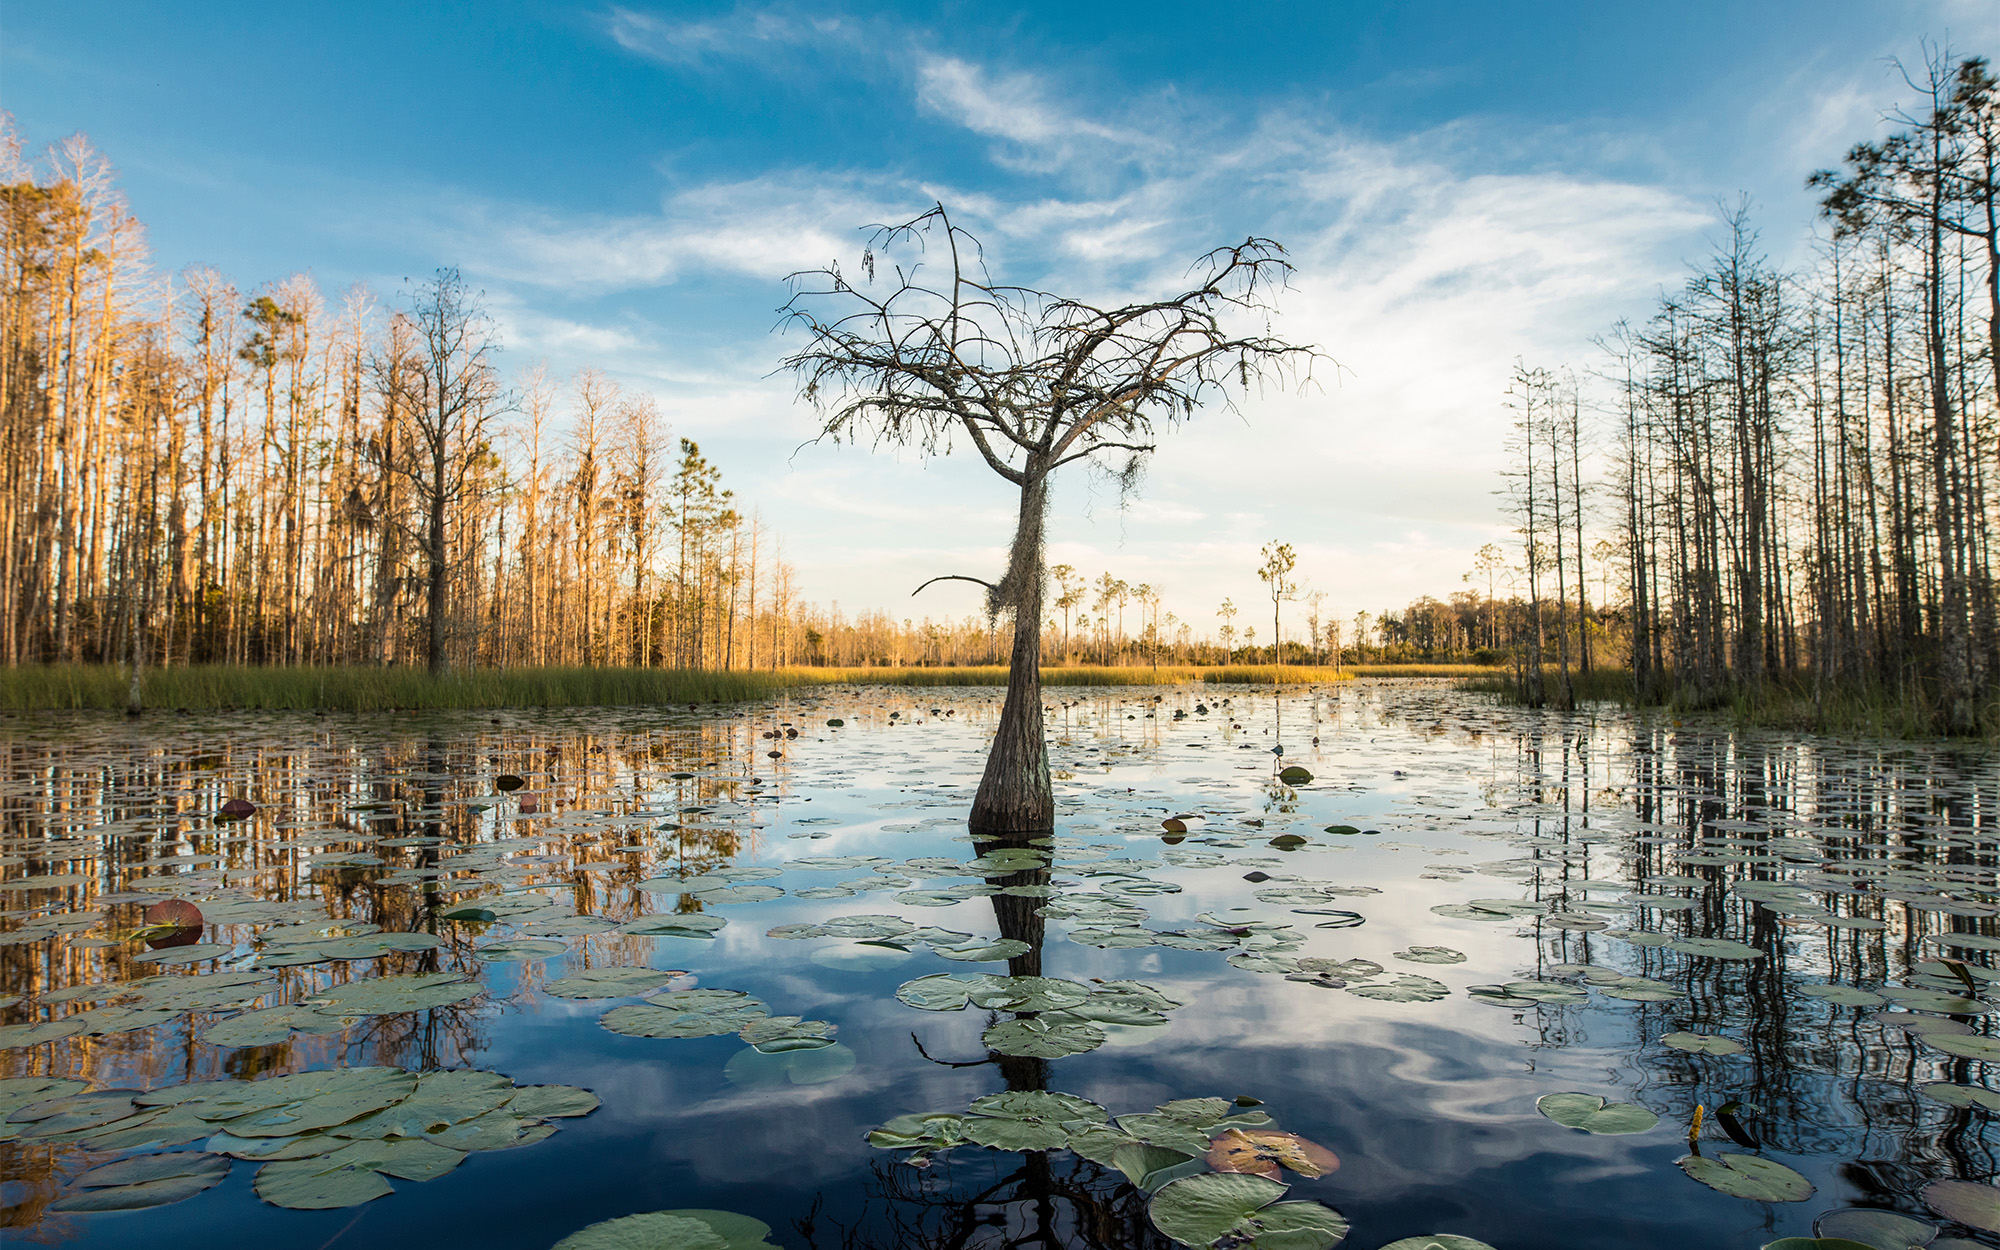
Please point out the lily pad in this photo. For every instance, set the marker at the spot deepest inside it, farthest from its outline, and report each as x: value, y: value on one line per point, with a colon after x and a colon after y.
x: 620, y: 982
x: 515, y: 950
x: 1431, y: 955
x: 1748, y: 1176
x: 144, y: 1181
x: 1961, y: 1095
x: 1974, y: 1204
x: 1883, y: 1230
x: 1715, y: 948
x: 1043, y: 1037
x: 1207, y: 1209
x: 382, y: 996
x: 1703, y: 1043
x: 1403, y: 988
x: 1593, y: 1114
x: 1437, y: 1241
x: 672, y: 1230
x: 1263, y: 1151
x: 686, y: 1013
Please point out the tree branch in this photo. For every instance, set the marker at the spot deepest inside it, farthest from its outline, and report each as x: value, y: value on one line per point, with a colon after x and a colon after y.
x: 954, y: 577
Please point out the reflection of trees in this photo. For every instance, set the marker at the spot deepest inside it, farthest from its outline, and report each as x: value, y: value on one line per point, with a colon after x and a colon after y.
x: 957, y: 1205
x: 1052, y: 1199
x: 1827, y: 1079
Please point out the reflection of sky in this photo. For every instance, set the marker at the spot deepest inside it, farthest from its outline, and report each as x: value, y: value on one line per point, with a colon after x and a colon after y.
x: 1429, y: 1105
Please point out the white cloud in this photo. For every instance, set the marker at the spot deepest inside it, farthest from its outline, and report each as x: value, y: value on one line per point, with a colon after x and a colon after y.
x: 747, y: 32
x: 1423, y: 268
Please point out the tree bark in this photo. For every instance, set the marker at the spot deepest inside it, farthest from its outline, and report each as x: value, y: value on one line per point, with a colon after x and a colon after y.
x: 1015, y: 794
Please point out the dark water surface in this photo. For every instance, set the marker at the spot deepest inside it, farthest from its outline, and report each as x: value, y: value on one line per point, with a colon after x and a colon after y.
x: 1564, y: 858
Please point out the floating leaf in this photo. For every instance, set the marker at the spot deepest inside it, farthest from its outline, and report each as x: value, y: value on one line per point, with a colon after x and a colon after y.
x: 756, y: 1069
x: 1431, y: 955
x: 382, y: 996
x: 1715, y: 948
x: 1264, y: 1151
x: 1748, y: 1176
x: 520, y: 949
x: 672, y: 1230
x: 1043, y: 1037
x: 997, y: 949
x: 686, y: 1013
x: 1884, y: 1230
x: 1203, y: 1210
x: 1403, y: 988
x: 1974, y: 1047
x: 611, y: 982
x: 1437, y: 1241
x: 1294, y: 776
x: 144, y: 1181
x: 1971, y: 1203
x: 1961, y: 1095
x: 1593, y: 1114
x: 1703, y: 1043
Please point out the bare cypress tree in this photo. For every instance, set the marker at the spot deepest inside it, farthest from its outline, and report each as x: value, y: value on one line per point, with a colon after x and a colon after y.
x: 451, y: 391
x: 1035, y: 381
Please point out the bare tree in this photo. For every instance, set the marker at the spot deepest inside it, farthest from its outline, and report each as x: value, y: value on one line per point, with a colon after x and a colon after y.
x: 451, y: 391
x: 1276, y: 573
x: 1035, y: 381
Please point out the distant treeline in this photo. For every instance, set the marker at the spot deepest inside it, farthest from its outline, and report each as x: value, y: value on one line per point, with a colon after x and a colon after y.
x: 1787, y: 472
x: 192, y: 474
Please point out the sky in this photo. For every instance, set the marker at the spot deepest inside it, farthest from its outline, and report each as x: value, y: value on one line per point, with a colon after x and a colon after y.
x: 1460, y: 186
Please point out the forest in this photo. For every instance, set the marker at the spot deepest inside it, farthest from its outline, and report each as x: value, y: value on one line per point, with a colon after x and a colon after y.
x: 1774, y: 484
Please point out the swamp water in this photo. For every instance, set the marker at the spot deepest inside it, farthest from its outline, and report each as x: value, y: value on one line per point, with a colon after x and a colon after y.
x: 492, y: 979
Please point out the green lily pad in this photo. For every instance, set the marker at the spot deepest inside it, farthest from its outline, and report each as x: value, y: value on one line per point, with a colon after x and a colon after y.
x: 549, y: 1102
x: 757, y: 1069
x: 1975, y: 1046
x: 1403, y: 988
x: 673, y: 1230
x: 1640, y: 990
x: 999, y: 948
x: 1961, y: 1095
x: 1431, y: 955
x: 686, y: 1013
x: 383, y: 996
x: 1043, y: 1037
x: 515, y: 950
x: 1294, y: 776
x: 15, y: 1036
x: 1748, y: 1176
x: 1715, y: 948
x: 620, y: 982
x: 1703, y: 1043
x: 940, y: 991
x: 1437, y: 1241
x: 1243, y: 1208
x: 1593, y: 1114
x: 269, y: 1026
x: 1817, y: 1243
x: 20, y: 1091
x: 686, y: 925
x: 1883, y: 1230
x: 1974, y: 1204
x: 144, y: 1181
x: 1841, y: 995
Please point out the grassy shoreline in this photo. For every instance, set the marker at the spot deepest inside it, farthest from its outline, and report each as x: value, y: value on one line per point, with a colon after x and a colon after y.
x: 217, y: 687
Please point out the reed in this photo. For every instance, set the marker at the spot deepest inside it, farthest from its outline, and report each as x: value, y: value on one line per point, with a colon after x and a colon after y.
x: 212, y: 687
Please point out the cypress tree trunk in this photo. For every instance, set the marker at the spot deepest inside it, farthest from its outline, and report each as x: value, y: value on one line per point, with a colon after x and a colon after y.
x: 1015, y: 795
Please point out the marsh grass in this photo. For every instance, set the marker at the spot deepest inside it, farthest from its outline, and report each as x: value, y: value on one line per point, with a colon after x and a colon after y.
x: 1868, y: 710
x: 212, y: 687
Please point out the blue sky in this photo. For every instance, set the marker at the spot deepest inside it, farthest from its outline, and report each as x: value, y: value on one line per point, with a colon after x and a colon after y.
x: 1460, y: 183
